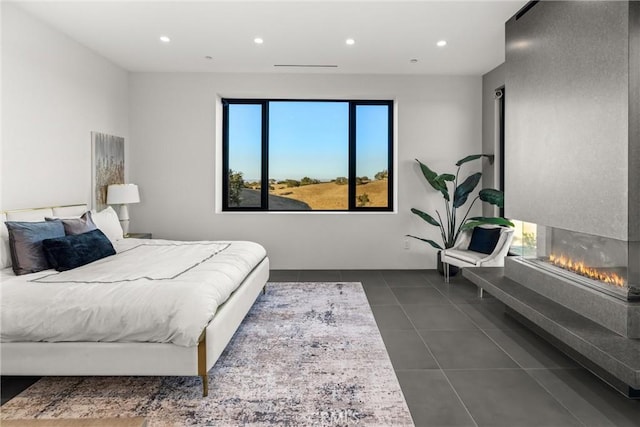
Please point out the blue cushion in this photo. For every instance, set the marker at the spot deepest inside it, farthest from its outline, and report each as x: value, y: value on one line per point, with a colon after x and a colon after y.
x: 25, y: 244
x: 75, y: 250
x: 484, y: 240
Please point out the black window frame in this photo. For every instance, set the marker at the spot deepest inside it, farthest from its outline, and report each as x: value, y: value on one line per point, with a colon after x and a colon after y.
x: 352, y: 142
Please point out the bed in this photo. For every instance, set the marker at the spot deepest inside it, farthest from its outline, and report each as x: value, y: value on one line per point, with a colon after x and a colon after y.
x: 119, y: 351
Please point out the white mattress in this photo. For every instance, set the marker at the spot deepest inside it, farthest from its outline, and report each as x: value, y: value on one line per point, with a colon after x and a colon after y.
x: 151, y: 291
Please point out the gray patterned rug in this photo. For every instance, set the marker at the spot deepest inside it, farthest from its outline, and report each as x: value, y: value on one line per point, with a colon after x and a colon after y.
x: 308, y: 354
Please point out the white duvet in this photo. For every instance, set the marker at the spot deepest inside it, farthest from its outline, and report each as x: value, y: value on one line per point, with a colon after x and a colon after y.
x: 150, y: 291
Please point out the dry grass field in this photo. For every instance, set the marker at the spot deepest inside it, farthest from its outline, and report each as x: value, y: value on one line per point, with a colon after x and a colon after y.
x: 329, y: 195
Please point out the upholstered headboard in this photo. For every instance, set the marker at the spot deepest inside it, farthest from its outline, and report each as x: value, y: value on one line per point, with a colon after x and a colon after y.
x: 32, y: 215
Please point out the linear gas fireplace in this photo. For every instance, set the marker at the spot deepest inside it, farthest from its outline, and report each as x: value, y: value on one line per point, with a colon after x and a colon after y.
x: 586, y: 273
x: 597, y: 262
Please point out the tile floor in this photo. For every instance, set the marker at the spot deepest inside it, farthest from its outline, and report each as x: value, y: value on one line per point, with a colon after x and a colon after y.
x: 462, y: 362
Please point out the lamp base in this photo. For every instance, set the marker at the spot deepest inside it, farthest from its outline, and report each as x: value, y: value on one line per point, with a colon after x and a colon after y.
x: 124, y: 219
x: 125, y: 227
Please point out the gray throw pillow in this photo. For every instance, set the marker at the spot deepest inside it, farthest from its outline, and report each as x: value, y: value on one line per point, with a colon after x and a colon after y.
x: 73, y: 226
x: 25, y: 244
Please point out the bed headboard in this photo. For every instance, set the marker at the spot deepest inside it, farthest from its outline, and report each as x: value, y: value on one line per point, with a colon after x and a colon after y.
x: 31, y: 215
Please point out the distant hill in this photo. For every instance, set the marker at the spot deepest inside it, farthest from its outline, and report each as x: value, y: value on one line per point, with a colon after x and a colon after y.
x: 332, y: 196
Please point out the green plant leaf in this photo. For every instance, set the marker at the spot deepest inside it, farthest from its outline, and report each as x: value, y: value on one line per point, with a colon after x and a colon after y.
x: 462, y: 192
x: 435, y: 180
x: 425, y: 216
x: 492, y: 196
x: 496, y: 220
x: 446, y: 177
x: 429, y: 241
x: 473, y: 157
x: 482, y: 220
x: 430, y: 176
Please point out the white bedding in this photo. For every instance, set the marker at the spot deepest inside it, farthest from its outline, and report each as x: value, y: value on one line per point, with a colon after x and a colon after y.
x: 151, y: 291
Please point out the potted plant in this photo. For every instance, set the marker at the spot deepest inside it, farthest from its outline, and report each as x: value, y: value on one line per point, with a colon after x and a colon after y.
x: 450, y: 226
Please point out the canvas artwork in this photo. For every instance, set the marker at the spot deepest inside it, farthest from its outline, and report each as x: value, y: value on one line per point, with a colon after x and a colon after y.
x: 107, y: 166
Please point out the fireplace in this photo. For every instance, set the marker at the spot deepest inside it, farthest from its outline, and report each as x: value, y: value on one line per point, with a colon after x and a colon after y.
x: 596, y: 262
x: 588, y: 274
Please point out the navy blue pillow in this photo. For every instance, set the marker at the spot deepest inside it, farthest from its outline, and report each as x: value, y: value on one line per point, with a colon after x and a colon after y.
x: 75, y: 250
x: 25, y: 244
x: 484, y: 240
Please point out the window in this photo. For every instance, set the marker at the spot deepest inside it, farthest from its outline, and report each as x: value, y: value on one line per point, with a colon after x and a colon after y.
x: 300, y: 155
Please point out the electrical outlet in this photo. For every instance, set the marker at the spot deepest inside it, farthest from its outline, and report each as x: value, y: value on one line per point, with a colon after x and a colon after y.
x: 406, y: 243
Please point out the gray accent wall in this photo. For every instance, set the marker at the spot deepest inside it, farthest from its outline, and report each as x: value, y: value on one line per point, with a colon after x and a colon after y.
x: 567, y: 128
x: 634, y: 142
x: 491, y: 81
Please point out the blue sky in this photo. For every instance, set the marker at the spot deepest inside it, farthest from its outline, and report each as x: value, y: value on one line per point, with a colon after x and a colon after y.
x: 307, y: 139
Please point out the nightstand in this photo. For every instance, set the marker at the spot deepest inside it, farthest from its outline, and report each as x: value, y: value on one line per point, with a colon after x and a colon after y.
x: 138, y: 236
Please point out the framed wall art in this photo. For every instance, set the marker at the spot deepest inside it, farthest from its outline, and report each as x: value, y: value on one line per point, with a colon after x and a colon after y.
x: 107, y: 166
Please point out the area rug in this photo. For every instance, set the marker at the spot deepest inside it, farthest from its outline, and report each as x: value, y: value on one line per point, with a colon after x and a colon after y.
x: 307, y: 354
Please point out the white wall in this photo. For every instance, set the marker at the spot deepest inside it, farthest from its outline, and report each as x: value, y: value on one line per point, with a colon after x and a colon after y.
x: 54, y: 93
x: 173, y: 160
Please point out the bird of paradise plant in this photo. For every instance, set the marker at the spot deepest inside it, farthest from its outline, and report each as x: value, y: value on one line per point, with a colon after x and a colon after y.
x: 451, y: 227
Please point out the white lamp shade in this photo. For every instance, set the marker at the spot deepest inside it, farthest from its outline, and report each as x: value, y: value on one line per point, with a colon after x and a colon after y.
x: 119, y: 194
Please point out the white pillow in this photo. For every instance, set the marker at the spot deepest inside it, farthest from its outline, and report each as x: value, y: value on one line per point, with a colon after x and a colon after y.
x: 5, y: 252
x: 107, y: 221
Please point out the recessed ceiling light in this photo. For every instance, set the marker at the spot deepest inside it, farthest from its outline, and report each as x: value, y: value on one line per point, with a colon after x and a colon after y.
x: 165, y: 39
x: 258, y: 40
x: 441, y: 43
x: 350, y: 41
x: 413, y: 61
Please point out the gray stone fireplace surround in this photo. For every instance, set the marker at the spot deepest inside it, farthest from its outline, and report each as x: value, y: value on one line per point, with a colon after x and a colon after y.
x: 615, y: 314
x: 572, y: 143
x: 572, y: 162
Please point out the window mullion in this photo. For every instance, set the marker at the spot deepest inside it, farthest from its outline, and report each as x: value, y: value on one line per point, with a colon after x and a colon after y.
x: 352, y: 156
x: 390, y: 158
x: 264, y: 187
x: 225, y: 155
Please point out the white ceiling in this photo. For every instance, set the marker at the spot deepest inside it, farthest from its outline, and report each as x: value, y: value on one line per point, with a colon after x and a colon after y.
x: 388, y: 34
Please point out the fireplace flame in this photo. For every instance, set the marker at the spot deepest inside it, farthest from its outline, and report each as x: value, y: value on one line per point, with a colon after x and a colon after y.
x: 590, y: 272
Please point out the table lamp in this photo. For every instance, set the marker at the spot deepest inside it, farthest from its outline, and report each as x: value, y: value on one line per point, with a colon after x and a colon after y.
x: 123, y: 194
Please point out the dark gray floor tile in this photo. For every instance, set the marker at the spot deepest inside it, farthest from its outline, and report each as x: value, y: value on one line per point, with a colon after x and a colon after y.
x: 431, y: 399
x: 284, y: 275
x: 419, y: 295
x: 368, y: 278
x: 320, y: 276
x: 12, y: 386
x: 438, y: 317
x: 390, y: 317
x: 529, y: 350
x: 466, y: 350
x: 406, y: 350
x: 464, y: 292
x: 380, y: 295
x: 436, y: 278
x: 368, y: 284
x: 508, y: 397
x: 589, y: 399
x: 401, y: 278
x: 489, y: 315
x: 433, y: 277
